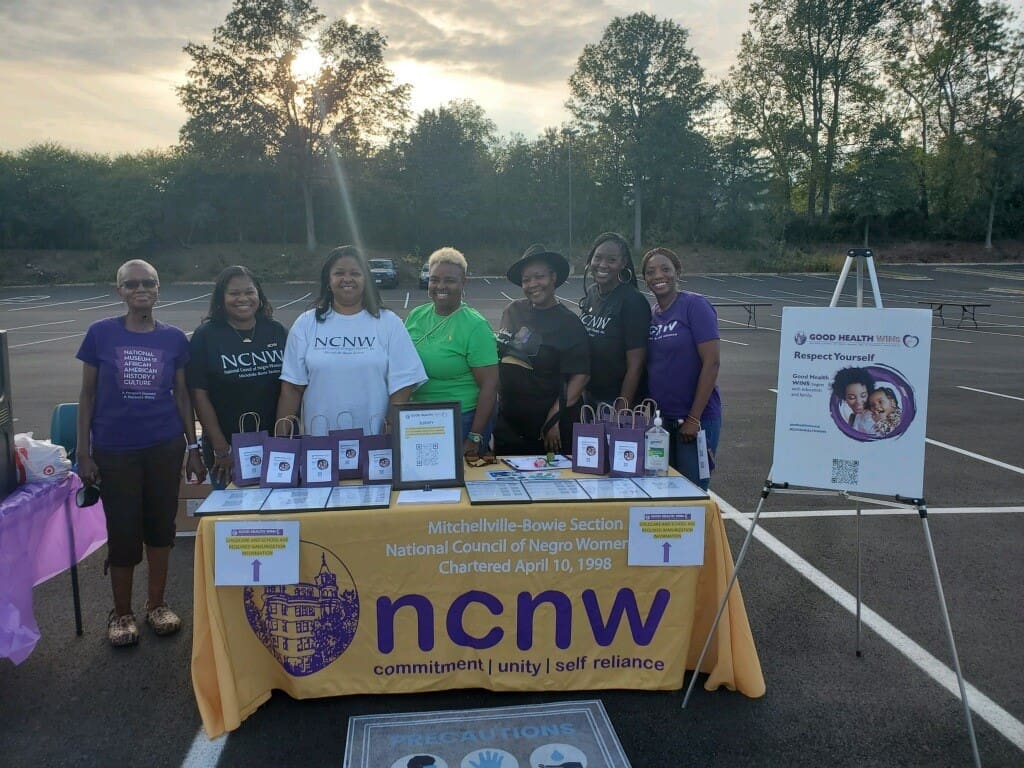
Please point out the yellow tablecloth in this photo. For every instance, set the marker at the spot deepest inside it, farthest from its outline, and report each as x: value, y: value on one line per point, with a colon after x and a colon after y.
x: 433, y: 597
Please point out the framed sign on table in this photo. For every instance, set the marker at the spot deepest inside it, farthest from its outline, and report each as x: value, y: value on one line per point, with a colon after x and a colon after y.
x: 427, y: 445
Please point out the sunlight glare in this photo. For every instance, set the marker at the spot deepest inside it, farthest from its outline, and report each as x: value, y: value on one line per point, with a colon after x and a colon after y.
x: 307, y: 62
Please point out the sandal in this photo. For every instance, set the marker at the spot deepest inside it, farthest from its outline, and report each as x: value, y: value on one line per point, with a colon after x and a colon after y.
x: 122, y: 630
x: 162, y: 619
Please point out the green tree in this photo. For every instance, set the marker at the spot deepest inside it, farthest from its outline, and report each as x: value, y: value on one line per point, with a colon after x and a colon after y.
x: 624, y: 88
x: 879, y: 177
x: 247, y: 100
x: 803, y: 69
x: 448, y: 172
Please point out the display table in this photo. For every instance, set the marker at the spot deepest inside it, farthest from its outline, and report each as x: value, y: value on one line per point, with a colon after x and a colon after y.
x: 432, y: 597
x: 42, y: 533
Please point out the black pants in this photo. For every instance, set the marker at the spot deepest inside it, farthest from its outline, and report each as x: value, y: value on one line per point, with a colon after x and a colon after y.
x: 139, y: 490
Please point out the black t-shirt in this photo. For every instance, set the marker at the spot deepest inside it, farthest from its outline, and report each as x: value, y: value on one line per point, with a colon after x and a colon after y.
x: 239, y: 376
x: 547, y: 347
x: 616, y: 323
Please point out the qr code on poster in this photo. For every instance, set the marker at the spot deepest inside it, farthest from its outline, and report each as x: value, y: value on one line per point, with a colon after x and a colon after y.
x: 846, y: 471
x: 426, y: 454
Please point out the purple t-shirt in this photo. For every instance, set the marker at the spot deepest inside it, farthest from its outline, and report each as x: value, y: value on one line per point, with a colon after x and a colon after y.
x: 135, y: 381
x: 673, y: 363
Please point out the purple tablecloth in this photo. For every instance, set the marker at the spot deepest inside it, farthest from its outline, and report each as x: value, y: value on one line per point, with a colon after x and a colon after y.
x: 35, y: 545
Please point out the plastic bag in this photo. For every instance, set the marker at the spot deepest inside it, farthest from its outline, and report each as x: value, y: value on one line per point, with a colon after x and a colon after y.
x: 39, y: 460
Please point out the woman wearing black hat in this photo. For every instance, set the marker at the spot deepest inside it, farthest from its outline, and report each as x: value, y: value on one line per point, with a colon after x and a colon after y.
x: 544, y: 360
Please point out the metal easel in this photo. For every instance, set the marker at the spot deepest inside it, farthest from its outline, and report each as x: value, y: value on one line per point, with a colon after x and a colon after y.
x: 864, y: 259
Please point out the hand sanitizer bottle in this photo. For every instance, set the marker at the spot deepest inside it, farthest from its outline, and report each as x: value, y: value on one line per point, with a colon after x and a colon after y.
x: 656, y: 449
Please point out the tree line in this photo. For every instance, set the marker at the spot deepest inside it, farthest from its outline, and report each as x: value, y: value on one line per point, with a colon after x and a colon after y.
x: 841, y: 120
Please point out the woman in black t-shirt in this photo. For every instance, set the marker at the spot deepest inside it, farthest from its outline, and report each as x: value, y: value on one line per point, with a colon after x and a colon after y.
x: 617, y: 319
x: 544, y: 361
x: 237, y: 353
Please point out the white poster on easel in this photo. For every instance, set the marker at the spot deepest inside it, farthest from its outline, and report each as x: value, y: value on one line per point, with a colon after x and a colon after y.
x: 852, y: 401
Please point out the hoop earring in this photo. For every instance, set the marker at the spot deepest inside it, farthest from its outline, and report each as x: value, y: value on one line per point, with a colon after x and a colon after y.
x: 626, y: 273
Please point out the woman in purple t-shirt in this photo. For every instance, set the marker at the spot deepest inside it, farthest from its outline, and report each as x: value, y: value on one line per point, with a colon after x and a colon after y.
x: 132, y: 413
x: 682, y: 363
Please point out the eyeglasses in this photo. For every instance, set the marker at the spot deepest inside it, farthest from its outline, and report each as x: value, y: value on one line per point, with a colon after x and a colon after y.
x: 132, y: 285
x: 87, y: 495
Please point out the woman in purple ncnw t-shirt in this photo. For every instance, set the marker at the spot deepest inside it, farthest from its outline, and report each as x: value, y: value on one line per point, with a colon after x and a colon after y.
x: 132, y: 413
x: 682, y: 363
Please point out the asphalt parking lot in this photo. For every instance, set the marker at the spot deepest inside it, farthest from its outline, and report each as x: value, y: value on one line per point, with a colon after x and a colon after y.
x: 77, y: 702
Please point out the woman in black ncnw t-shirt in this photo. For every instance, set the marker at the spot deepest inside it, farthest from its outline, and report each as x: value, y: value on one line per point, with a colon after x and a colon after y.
x: 617, y: 319
x: 544, y: 361
x: 236, y: 365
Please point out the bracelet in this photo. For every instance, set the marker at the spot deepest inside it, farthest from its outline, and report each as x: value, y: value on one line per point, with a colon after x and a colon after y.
x: 694, y: 420
x: 192, y: 447
x: 222, y: 454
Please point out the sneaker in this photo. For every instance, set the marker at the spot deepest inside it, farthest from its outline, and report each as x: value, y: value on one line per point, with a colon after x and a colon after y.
x: 162, y: 619
x: 122, y: 630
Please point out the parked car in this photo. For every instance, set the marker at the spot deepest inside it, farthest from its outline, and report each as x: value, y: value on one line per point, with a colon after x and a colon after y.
x: 424, y: 275
x: 385, y: 273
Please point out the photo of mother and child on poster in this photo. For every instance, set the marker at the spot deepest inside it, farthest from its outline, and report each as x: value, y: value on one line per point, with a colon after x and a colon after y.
x: 870, y: 403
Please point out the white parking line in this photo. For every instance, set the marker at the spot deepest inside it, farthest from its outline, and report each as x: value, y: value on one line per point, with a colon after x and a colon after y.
x: 730, y: 341
x: 295, y: 301
x: 204, y: 753
x: 23, y: 299
x: 506, y: 295
x: 802, y: 513
x: 993, y: 714
x: 954, y: 341
x: 39, y: 325
x: 46, y: 341
x: 160, y: 305
x: 985, y: 392
x: 978, y: 456
x: 61, y: 303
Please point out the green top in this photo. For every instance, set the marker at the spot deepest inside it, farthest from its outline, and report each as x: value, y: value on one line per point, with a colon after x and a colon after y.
x: 450, y: 347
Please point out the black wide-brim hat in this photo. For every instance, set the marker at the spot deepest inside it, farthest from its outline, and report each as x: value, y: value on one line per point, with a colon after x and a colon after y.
x: 556, y: 261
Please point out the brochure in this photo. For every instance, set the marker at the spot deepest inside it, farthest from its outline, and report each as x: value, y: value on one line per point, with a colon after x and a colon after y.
x: 556, y: 490
x: 296, y: 499
x: 670, y: 487
x: 237, y: 501
x: 505, y: 491
x: 359, y: 496
x: 612, y: 488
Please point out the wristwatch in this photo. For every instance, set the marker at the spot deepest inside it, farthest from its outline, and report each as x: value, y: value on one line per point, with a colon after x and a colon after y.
x: 475, y: 437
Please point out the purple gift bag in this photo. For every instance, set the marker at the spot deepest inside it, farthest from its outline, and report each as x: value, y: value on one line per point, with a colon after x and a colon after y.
x: 318, y: 457
x: 247, y: 452
x: 346, y: 439
x: 376, y: 458
x: 589, y: 446
x: 626, y: 446
x: 281, y: 458
x: 645, y: 413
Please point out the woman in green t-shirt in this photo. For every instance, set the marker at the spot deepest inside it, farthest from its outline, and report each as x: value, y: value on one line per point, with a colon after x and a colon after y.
x: 458, y: 350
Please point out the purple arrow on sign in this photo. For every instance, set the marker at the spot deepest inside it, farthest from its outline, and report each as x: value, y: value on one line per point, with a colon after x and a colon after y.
x: 667, y: 547
x: 256, y: 569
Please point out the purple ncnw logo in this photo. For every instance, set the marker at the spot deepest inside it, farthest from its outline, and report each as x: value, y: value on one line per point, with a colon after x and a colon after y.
x: 604, y: 630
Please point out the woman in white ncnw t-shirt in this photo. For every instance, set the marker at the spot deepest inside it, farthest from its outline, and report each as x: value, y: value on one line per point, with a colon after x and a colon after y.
x: 348, y: 358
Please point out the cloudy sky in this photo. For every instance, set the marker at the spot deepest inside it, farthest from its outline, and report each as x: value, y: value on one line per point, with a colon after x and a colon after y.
x: 99, y: 75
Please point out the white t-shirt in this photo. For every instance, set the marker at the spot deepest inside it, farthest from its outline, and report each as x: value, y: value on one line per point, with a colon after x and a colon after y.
x: 350, y: 365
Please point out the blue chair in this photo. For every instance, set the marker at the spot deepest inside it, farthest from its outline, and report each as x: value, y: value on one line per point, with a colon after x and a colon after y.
x: 64, y: 429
